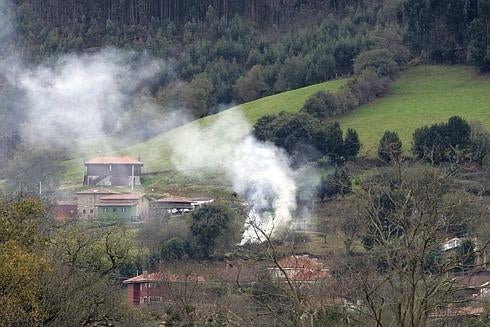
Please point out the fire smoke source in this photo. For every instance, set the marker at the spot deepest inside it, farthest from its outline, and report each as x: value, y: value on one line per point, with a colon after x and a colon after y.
x: 259, y: 172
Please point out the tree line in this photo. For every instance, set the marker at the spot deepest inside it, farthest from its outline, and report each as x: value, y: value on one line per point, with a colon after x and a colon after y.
x: 134, y: 12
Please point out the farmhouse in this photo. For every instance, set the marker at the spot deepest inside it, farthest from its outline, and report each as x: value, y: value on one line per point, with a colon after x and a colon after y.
x: 113, y: 171
x: 88, y: 199
x: 149, y: 288
x: 132, y: 207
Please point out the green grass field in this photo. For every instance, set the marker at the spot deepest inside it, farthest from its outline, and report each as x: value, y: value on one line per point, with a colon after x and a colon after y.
x: 422, y: 95
x: 155, y: 152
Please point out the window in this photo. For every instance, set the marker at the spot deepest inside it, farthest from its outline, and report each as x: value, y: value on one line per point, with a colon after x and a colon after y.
x: 123, y: 209
x: 91, y: 210
x: 84, y: 211
x: 155, y: 299
x: 114, y: 209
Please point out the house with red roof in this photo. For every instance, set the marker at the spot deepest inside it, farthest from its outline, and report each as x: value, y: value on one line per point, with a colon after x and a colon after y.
x: 150, y: 288
x: 113, y: 171
x: 299, y: 268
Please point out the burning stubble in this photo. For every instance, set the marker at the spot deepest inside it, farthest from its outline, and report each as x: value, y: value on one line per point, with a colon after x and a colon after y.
x: 259, y: 172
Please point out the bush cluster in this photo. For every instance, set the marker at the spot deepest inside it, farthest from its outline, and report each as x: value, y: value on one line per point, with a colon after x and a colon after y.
x: 446, y: 142
x: 374, y: 71
x: 306, y: 139
x: 213, y: 229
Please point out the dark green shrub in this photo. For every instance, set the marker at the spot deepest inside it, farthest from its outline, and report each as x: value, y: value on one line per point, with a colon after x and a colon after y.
x: 321, y: 105
x: 390, y: 147
x: 449, y: 141
x: 352, y: 145
x: 380, y: 61
x: 339, y: 183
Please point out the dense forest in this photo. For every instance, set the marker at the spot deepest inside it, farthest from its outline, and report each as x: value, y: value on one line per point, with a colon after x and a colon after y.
x: 134, y: 12
x: 224, y: 52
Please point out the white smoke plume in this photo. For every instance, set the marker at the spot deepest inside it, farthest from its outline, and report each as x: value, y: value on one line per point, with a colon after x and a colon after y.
x: 259, y: 172
x: 74, y: 100
x: 77, y: 96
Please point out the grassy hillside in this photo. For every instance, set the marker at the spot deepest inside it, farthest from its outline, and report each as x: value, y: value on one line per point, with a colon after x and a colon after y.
x: 422, y: 95
x: 155, y: 152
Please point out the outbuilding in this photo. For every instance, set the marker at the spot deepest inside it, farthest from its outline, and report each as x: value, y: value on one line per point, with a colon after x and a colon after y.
x: 132, y: 207
x: 113, y: 171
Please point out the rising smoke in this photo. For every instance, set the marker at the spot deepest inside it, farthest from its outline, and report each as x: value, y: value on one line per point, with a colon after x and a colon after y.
x: 77, y: 96
x: 258, y: 172
x: 81, y: 97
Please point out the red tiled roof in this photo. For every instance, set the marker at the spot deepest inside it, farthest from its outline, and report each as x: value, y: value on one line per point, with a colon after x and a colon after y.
x: 97, y: 191
x: 302, y: 268
x: 458, y: 312
x: 299, y: 261
x: 474, y: 280
x: 125, y: 160
x: 163, y: 277
x: 123, y: 197
x: 116, y: 204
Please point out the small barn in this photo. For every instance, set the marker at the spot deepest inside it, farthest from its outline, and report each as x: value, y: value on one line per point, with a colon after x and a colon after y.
x: 113, y: 171
x: 153, y: 288
x: 134, y: 207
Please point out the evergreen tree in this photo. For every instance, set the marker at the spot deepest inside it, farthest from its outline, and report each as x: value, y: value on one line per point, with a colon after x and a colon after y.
x: 352, y: 145
x: 390, y: 147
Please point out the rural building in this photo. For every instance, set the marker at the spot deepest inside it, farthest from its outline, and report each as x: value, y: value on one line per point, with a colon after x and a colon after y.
x: 177, y: 205
x: 450, y: 248
x: 88, y: 199
x: 171, y: 206
x: 113, y: 171
x: 150, y: 288
x: 132, y: 207
x: 299, y: 269
x: 476, y: 285
x: 473, y: 290
x: 65, y: 210
x: 197, y: 202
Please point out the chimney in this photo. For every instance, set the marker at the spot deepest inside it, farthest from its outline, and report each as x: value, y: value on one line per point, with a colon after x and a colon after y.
x: 145, y: 273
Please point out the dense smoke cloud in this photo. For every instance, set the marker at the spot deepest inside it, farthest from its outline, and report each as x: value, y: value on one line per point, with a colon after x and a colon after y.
x: 79, y: 97
x: 259, y: 173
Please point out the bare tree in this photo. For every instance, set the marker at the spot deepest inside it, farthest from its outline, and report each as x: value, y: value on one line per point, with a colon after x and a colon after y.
x: 404, y: 278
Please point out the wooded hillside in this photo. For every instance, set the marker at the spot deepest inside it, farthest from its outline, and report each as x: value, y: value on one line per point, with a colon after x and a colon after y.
x: 59, y: 12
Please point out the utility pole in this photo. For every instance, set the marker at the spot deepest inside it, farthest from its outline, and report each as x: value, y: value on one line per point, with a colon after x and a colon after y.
x: 132, y: 178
